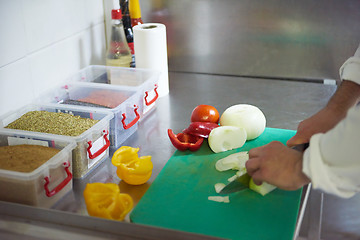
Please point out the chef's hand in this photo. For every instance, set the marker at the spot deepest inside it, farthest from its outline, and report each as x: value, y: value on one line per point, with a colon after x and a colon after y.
x: 278, y: 165
x: 321, y: 122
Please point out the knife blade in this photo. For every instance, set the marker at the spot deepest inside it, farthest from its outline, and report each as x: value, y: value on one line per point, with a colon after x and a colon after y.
x: 237, y: 185
x: 242, y: 182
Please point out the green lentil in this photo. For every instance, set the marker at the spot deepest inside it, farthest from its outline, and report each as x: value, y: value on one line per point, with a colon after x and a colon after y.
x: 53, y: 122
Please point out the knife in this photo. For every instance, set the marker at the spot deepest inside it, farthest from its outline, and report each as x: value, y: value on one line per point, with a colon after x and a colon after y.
x: 242, y: 182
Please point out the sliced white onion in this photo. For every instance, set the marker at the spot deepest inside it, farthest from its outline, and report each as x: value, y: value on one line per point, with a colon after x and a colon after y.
x: 241, y: 172
x: 235, y: 161
x: 219, y: 187
x: 246, y: 116
x: 224, y: 199
x: 232, y: 178
x: 226, y: 138
x: 238, y: 174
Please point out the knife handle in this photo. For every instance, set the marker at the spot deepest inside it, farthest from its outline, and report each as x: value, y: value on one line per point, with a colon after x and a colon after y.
x: 301, y: 147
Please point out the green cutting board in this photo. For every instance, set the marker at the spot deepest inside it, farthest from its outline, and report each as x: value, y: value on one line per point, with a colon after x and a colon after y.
x: 178, y: 198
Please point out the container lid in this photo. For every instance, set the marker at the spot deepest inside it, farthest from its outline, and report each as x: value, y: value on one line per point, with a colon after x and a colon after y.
x: 116, y: 14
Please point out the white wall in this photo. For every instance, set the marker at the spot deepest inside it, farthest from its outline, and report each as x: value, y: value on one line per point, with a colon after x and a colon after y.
x: 42, y: 42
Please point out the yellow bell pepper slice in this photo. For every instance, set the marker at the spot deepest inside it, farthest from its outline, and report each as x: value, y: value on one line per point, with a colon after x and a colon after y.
x: 104, y: 200
x: 130, y: 168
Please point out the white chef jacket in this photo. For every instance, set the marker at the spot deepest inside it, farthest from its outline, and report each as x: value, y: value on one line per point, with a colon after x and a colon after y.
x: 332, y: 161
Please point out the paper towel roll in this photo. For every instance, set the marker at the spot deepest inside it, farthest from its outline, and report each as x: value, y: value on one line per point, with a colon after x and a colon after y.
x: 151, y: 51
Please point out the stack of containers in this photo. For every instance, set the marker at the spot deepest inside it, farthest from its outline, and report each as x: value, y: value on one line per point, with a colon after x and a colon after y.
x: 134, y: 92
x: 92, y: 146
x: 129, y: 93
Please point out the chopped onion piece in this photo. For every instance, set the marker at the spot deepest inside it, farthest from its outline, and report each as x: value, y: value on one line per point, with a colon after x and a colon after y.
x: 235, y: 161
x: 241, y: 172
x: 219, y: 187
x: 232, y: 178
x: 263, y: 189
x: 219, y: 199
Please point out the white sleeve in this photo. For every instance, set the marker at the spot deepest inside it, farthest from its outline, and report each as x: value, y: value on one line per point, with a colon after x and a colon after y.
x: 332, y: 161
x: 350, y: 70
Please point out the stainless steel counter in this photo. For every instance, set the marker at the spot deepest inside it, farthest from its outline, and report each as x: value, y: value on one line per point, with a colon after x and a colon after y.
x: 284, y: 103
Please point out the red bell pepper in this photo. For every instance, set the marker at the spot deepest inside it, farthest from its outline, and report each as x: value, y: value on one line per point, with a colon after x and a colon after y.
x: 183, y: 141
x: 201, y: 129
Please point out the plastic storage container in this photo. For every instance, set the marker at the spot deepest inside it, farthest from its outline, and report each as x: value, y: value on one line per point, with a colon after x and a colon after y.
x: 92, y: 145
x: 144, y: 81
x: 124, y: 102
x: 47, y: 184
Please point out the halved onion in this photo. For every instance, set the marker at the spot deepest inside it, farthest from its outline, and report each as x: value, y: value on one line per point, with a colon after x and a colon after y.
x: 246, y: 116
x: 226, y: 138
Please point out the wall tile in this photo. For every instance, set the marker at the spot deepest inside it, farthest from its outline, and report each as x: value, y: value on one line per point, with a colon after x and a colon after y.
x: 12, y: 44
x: 54, y: 64
x: 50, y: 21
x: 57, y: 38
x: 15, y: 86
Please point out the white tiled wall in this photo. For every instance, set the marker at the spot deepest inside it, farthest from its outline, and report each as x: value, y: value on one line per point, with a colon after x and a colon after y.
x: 44, y: 41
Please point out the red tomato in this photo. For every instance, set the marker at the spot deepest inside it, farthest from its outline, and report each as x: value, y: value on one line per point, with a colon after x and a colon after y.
x: 205, y: 113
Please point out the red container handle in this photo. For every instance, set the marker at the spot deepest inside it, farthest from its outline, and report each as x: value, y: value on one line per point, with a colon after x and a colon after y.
x: 61, y: 185
x: 152, y: 100
x: 133, y: 121
x: 102, y: 149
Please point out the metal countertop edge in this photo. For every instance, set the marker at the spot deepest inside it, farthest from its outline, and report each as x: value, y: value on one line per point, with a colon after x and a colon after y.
x: 29, y: 214
x: 303, y: 204
x: 292, y: 79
